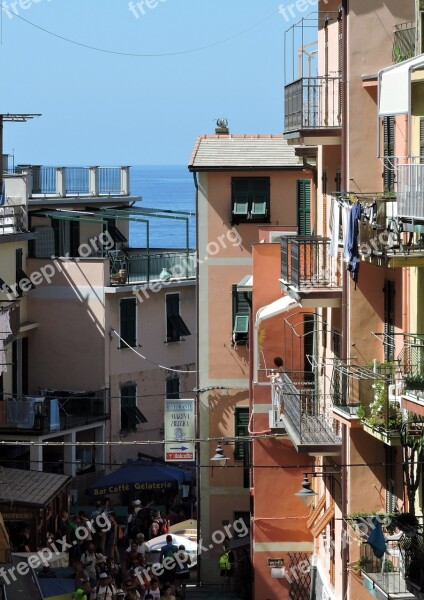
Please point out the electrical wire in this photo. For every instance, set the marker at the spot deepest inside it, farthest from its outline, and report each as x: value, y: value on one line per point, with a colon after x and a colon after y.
x: 148, y: 359
x: 142, y: 55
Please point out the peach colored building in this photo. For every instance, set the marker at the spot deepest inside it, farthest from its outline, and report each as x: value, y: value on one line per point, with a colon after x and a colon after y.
x: 359, y: 120
x: 251, y: 190
x: 91, y: 305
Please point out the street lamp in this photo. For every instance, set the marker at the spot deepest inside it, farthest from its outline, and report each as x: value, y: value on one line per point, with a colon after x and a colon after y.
x: 306, y: 494
x: 220, y: 460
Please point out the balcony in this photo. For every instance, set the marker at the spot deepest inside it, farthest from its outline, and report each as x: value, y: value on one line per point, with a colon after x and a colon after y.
x: 53, y: 412
x: 308, y: 272
x: 70, y: 182
x: 403, y: 42
x: 306, y: 414
x: 312, y: 107
x: 385, y: 577
x: 138, y: 265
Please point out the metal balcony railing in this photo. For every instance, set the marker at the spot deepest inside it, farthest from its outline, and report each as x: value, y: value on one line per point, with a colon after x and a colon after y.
x: 46, y: 181
x: 312, y: 103
x: 44, y: 414
x: 404, y: 42
x: 306, y: 263
x: 13, y: 219
x: 386, y: 573
x: 410, y: 190
x: 306, y: 413
x: 141, y: 265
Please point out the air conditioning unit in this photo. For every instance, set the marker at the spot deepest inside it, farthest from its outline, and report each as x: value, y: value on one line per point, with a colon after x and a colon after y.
x: 275, y: 236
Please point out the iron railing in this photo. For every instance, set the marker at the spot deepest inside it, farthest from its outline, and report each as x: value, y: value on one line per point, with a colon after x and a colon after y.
x: 386, y: 573
x: 404, y: 42
x: 46, y: 414
x: 48, y: 181
x: 306, y: 413
x: 140, y: 265
x: 412, y: 552
x: 410, y: 190
x: 307, y: 264
x: 312, y: 103
x: 13, y: 219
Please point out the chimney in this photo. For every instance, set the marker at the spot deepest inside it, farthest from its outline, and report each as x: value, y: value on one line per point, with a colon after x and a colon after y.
x: 222, y: 126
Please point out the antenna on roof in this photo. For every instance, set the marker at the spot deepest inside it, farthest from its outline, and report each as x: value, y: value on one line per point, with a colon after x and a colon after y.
x: 222, y: 126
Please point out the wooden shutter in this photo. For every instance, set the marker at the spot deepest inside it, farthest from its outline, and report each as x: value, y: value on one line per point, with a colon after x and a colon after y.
x: 389, y: 320
x: 389, y: 150
x: 422, y: 140
x: 128, y: 401
x: 304, y: 206
x: 173, y: 388
x: 308, y: 344
x: 241, y: 418
x: 128, y: 322
x: 340, y: 57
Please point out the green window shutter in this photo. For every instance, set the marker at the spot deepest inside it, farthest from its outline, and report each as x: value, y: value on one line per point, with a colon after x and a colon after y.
x: 389, y: 150
x: 304, y: 206
x: 240, y: 192
x: 259, y: 198
x: 422, y: 139
x: 250, y: 199
x: 241, y: 316
x: 241, y: 428
x: 127, y: 311
x: 389, y: 320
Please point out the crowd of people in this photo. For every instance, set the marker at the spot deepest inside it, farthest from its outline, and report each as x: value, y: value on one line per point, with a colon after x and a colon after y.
x: 115, y: 564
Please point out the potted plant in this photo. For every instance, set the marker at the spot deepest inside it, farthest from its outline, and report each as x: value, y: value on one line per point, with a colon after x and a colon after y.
x: 362, y: 562
x: 414, y: 382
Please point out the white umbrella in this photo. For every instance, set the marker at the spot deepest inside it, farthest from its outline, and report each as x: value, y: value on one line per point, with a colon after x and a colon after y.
x: 155, y: 545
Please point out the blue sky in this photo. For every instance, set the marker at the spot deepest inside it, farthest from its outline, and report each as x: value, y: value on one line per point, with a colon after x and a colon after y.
x: 103, y: 108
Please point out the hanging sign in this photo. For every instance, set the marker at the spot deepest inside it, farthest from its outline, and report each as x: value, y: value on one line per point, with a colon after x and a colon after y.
x: 180, y: 425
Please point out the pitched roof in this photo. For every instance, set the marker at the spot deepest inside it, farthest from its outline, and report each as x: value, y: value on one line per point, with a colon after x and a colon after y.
x: 30, y: 488
x: 219, y: 152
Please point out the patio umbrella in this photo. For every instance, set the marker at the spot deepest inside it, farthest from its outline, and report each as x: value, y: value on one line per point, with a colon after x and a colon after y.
x: 140, y: 475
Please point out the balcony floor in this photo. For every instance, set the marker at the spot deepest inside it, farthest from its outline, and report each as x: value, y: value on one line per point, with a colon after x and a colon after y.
x: 316, y: 436
x: 389, y: 585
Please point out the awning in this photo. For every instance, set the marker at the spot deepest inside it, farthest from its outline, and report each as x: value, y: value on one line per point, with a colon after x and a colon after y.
x: 275, y: 308
x: 278, y: 307
x: 246, y: 284
x: 394, y: 96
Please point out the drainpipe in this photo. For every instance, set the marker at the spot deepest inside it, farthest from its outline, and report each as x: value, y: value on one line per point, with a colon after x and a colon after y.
x: 345, y: 323
x: 197, y: 445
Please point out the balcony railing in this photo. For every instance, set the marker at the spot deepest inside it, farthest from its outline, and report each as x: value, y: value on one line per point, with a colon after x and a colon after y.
x: 45, y: 414
x: 307, y: 265
x: 404, y: 42
x: 141, y: 265
x: 13, y: 219
x: 387, y: 574
x: 410, y: 189
x: 306, y: 413
x: 312, y: 103
x: 62, y: 182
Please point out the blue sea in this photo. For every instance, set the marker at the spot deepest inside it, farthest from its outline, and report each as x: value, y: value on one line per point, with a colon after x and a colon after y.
x: 169, y: 187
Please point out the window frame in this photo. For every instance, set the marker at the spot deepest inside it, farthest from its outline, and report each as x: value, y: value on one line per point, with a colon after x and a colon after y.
x: 240, y: 448
x: 247, y: 201
x: 137, y: 417
x: 169, y: 393
x: 239, y: 315
x: 123, y: 346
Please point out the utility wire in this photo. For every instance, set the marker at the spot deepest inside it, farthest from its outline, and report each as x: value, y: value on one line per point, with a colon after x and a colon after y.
x: 141, y: 55
x: 148, y: 359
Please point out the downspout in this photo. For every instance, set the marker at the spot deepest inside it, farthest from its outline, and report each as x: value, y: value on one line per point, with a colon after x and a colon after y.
x: 197, y: 445
x: 345, y: 331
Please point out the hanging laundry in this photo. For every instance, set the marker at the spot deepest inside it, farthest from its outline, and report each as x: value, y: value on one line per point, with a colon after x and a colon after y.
x: 5, y: 331
x: 345, y: 228
x: 335, y: 220
x: 376, y: 539
x: 353, y: 247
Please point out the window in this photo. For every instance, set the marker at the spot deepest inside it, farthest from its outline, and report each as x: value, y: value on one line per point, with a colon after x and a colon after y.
x: 250, y: 199
x: 241, y: 316
x: 389, y: 321
x: 131, y: 416
x: 173, y: 388
x: 66, y: 237
x: 241, y: 425
x: 115, y: 234
x: 389, y: 150
x: 175, y: 326
x: 21, y: 285
x: 128, y: 321
x: 304, y: 206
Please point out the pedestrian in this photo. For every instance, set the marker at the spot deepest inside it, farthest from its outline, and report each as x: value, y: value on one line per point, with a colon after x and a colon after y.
x: 83, y: 591
x: 226, y: 565
x: 105, y: 590
x: 167, y: 553
x: 182, y: 571
x: 154, y: 590
x: 167, y: 592
x: 112, y: 538
x: 89, y: 562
